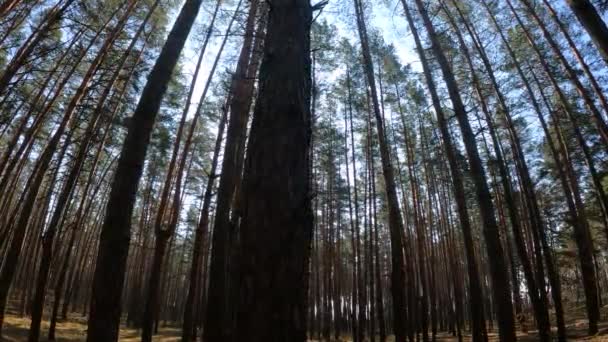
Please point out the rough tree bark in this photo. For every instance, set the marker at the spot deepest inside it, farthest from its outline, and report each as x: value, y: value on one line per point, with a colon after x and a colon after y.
x: 277, y: 221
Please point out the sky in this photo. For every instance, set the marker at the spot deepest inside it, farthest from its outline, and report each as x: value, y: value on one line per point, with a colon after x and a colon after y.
x: 385, y: 17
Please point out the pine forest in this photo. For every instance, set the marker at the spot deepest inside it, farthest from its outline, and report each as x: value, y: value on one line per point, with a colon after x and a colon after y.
x: 303, y: 170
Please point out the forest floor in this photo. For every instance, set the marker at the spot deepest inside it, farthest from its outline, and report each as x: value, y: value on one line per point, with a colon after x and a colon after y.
x: 74, y: 330
x: 16, y: 330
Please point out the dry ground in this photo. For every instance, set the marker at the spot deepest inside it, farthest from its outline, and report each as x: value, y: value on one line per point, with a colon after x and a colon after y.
x: 16, y: 328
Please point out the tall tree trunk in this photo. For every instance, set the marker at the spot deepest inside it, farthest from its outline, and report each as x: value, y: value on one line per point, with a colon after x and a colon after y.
x: 188, y: 326
x: 166, y: 218
x: 218, y: 317
x: 603, y: 201
x: 23, y: 122
x: 7, y: 6
x: 419, y: 229
x: 498, y: 269
x: 8, y: 165
x: 577, y: 54
x: 31, y: 191
x: 353, y: 221
x: 276, y: 231
x: 429, y: 175
x: 582, y: 234
x: 360, y: 286
x: 394, y: 215
x: 536, y: 287
x: 65, y: 195
x: 110, y: 267
x: 553, y: 275
x: 475, y: 293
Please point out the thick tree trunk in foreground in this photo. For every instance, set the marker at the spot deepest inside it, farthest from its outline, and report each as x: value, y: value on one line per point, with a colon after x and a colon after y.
x: 277, y: 221
x: 104, y: 318
x: 591, y: 20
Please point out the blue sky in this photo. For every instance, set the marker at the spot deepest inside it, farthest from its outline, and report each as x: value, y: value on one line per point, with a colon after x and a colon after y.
x: 386, y: 17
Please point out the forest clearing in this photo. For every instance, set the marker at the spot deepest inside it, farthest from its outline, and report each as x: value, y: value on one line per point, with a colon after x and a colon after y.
x: 304, y: 170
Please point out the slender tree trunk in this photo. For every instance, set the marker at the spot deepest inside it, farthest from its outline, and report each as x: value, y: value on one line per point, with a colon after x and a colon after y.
x: 360, y: 287
x: 419, y: 228
x: 498, y: 269
x: 394, y: 215
x: 536, y: 290
x: 67, y: 191
x: 169, y: 216
x: 22, y: 125
x: 599, y: 93
x: 354, y: 222
x: 7, y: 6
x: 553, y: 276
x: 218, y: 317
x: 27, y: 142
x: 188, y: 327
x: 475, y: 292
x: 572, y: 75
x: 582, y: 234
x: 576, y: 207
